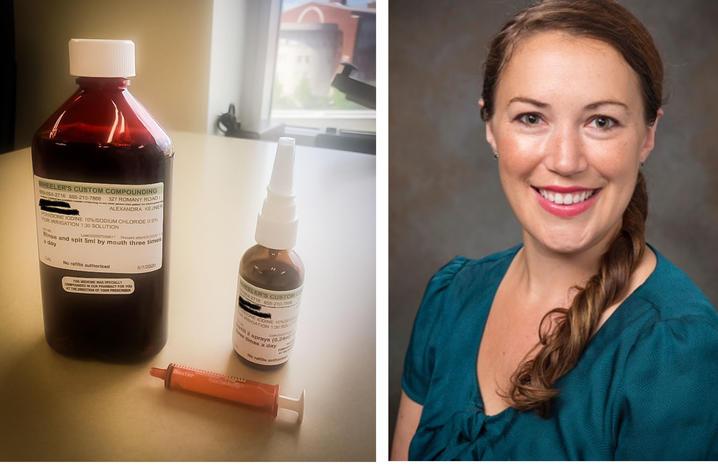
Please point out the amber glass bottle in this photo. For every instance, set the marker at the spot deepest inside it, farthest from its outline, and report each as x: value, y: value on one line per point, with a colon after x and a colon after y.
x: 102, y: 169
x: 281, y: 273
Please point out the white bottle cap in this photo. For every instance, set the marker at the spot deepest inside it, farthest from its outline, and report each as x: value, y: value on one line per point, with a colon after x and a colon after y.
x: 277, y: 223
x: 102, y: 58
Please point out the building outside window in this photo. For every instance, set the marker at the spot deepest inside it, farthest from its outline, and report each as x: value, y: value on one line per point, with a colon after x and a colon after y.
x: 315, y: 38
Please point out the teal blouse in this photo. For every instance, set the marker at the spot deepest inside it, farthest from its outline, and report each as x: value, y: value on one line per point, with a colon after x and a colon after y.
x: 645, y: 388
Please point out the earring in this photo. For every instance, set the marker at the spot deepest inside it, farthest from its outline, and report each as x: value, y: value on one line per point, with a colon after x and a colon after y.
x: 496, y: 155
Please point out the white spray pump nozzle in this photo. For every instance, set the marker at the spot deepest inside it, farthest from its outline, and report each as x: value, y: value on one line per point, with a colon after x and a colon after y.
x: 282, y: 182
x: 293, y: 404
x: 277, y: 223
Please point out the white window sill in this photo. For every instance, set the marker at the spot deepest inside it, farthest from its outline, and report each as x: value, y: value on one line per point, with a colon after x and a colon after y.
x: 341, y: 119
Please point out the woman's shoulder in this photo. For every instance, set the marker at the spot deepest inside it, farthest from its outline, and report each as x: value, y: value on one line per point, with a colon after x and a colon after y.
x: 669, y: 316
x: 666, y: 405
x: 463, y: 279
x: 466, y: 269
x: 460, y: 284
x: 674, y: 297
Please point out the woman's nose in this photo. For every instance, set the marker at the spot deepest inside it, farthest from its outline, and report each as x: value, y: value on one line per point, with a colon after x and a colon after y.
x: 565, y: 153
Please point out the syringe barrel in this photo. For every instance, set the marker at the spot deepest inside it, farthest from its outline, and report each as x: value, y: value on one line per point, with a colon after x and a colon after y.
x: 243, y: 391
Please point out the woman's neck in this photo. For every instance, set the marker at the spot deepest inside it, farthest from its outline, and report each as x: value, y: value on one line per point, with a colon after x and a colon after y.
x: 545, y: 275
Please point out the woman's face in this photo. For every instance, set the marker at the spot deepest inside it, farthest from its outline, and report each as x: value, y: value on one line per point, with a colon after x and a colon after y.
x: 570, y: 132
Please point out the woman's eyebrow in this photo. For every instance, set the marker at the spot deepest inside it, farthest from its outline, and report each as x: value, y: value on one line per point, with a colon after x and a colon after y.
x: 595, y: 105
x: 528, y: 100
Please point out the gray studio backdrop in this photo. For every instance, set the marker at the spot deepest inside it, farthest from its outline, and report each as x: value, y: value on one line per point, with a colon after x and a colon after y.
x: 444, y: 194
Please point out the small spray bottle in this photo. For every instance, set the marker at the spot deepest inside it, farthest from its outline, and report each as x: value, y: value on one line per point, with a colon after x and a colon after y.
x: 271, y: 274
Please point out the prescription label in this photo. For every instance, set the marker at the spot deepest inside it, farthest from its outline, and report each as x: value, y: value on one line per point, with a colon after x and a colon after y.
x: 99, y: 227
x: 76, y: 285
x: 265, y: 322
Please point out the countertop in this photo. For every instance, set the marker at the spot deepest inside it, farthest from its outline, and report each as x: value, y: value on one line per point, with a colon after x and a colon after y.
x: 57, y: 408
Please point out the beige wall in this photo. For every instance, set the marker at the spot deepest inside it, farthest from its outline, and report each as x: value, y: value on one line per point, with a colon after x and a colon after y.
x: 172, y: 47
x: 226, y: 59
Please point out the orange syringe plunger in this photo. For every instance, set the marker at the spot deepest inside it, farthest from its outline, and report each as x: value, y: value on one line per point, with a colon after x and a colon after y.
x: 261, y: 396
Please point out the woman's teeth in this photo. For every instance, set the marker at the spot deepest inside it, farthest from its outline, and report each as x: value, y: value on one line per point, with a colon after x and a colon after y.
x: 566, y: 198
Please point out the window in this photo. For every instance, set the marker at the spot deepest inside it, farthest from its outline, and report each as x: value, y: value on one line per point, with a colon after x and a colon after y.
x: 294, y: 50
x: 315, y: 38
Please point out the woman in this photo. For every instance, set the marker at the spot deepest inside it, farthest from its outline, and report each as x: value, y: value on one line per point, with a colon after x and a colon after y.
x: 583, y: 342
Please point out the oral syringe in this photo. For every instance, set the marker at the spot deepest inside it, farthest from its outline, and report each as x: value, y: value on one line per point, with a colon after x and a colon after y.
x: 261, y: 396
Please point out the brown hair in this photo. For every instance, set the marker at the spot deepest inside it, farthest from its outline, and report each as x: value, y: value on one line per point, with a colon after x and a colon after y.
x: 564, y: 332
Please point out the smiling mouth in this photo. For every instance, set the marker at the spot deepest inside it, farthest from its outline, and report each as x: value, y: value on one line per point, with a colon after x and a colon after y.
x: 566, y: 199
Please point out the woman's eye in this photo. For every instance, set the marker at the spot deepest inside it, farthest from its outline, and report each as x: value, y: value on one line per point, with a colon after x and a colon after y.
x: 529, y: 119
x: 603, y: 122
